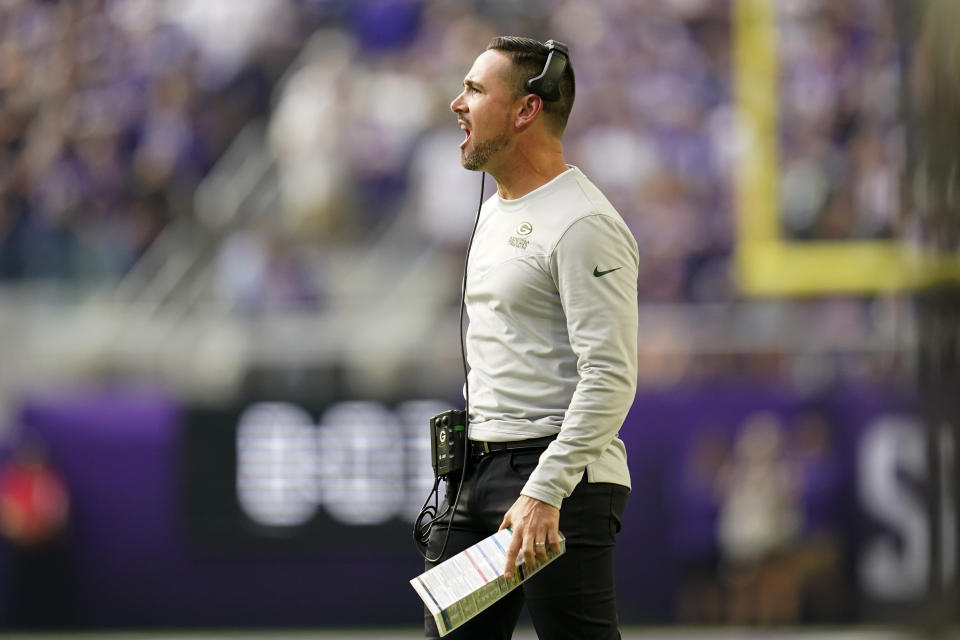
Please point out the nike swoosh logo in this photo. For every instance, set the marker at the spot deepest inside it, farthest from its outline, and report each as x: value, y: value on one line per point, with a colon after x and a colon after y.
x: 597, y: 273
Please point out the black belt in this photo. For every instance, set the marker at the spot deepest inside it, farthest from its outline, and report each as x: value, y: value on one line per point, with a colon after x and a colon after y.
x: 480, y: 448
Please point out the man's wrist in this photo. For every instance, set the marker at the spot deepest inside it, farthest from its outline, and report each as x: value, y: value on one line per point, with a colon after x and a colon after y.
x: 546, y: 498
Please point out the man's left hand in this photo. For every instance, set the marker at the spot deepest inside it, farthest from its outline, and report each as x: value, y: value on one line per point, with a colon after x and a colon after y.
x: 536, y: 528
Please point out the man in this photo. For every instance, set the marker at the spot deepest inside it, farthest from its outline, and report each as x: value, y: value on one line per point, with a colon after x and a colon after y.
x: 552, y: 344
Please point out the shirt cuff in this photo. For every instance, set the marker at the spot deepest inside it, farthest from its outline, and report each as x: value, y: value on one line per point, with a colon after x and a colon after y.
x: 543, y: 496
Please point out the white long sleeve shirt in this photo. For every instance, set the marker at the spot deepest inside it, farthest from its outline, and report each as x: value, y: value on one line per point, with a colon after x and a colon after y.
x: 552, y: 342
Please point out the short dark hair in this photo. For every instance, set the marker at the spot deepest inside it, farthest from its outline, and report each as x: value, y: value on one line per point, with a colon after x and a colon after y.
x: 529, y: 57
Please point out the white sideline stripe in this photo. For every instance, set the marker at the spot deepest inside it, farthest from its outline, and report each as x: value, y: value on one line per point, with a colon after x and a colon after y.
x: 523, y: 633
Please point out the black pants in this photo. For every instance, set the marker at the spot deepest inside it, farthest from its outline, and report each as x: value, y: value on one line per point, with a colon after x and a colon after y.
x: 573, y: 597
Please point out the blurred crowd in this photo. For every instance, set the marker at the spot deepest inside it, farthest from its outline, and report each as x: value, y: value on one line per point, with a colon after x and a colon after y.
x: 112, y: 112
x: 843, y: 141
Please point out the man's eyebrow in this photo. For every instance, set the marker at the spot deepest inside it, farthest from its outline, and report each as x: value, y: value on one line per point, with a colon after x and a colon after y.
x: 472, y: 84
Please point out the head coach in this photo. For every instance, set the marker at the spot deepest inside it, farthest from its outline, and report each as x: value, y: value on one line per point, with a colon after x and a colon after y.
x: 551, y: 294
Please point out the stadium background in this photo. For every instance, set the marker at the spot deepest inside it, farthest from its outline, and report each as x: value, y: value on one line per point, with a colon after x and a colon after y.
x: 231, y: 237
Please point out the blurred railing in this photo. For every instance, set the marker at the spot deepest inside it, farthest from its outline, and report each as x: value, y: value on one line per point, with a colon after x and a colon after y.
x: 385, y: 344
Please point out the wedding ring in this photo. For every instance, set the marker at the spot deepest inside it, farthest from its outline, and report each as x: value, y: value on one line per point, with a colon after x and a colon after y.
x: 540, y: 544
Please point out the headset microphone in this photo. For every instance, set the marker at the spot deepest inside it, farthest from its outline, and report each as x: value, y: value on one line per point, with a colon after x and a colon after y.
x: 547, y: 84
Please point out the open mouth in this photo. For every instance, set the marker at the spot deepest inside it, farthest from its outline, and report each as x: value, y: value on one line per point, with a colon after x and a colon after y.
x: 466, y: 128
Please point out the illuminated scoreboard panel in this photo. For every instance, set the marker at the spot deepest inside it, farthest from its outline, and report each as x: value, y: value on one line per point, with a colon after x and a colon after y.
x: 277, y: 469
x: 766, y: 262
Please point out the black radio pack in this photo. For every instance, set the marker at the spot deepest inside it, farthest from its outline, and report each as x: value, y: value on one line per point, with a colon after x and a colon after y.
x: 448, y: 436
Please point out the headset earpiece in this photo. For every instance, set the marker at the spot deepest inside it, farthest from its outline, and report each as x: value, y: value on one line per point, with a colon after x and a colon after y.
x: 547, y: 84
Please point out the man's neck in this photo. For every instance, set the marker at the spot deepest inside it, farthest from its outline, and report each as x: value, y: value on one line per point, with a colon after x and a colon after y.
x: 527, y: 172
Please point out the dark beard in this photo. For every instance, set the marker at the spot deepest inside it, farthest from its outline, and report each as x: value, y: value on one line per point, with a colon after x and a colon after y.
x: 482, y: 152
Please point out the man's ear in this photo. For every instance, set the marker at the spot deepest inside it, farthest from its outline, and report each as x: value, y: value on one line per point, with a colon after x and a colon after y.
x: 531, y: 106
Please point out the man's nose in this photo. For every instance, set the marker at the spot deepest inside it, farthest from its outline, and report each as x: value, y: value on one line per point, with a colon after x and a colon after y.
x: 457, y: 106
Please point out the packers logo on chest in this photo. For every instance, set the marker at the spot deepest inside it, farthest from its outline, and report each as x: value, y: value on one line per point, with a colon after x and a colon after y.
x: 520, y: 240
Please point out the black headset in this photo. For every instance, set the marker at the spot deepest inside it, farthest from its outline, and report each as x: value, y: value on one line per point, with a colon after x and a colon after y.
x: 547, y: 84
